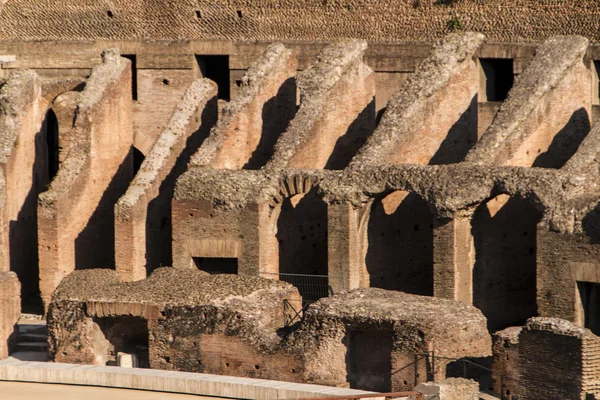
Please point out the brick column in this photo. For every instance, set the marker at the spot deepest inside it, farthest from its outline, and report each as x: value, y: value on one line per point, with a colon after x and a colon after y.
x: 453, y: 259
x: 344, y: 246
x: 10, y: 311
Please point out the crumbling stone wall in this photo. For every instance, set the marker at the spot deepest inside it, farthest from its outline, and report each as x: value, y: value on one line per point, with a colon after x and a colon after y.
x: 232, y: 325
x: 10, y: 297
x: 250, y: 125
x: 371, y: 336
x: 449, y: 389
x: 325, y: 133
x: 76, y: 214
x: 143, y: 227
x: 574, y: 377
x: 24, y: 169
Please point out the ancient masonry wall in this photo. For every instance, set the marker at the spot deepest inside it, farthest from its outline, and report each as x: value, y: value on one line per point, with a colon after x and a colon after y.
x: 259, y: 114
x: 143, y: 215
x: 325, y: 132
x: 425, y: 20
x: 417, y: 125
x: 543, y: 121
x: 76, y: 214
x: 10, y: 296
x: 574, y: 377
x: 505, y: 349
x: 23, y: 167
x: 252, y: 122
x: 226, y: 324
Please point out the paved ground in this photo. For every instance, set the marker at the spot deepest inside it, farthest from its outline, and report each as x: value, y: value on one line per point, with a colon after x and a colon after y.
x: 37, y: 391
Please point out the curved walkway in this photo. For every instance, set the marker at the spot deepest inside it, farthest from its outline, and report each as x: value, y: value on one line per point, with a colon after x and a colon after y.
x: 227, y: 387
x: 37, y: 391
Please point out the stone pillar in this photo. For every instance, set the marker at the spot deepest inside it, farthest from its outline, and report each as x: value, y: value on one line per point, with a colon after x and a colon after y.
x: 505, y: 349
x: 344, y: 246
x: 10, y: 311
x: 453, y: 259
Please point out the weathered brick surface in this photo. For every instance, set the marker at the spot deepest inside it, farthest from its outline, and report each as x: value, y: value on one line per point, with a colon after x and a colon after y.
x: 424, y: 20
x: 143, y: 214
x: 75, y: 215
x: 10, y: 298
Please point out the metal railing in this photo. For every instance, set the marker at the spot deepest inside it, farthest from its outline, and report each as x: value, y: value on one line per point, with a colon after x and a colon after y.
x: 311, y: 289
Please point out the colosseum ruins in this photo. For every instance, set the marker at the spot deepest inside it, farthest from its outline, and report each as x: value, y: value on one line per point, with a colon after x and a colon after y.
x: 362, y: 194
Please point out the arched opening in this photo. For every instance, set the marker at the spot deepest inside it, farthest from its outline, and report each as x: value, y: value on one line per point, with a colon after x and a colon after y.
x: 400, y: 244
x: 302, y: 240
x: 504, y: 275
x: 52, y: 144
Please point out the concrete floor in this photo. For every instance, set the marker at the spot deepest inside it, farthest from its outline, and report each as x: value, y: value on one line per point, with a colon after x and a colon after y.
x: 37, y: 391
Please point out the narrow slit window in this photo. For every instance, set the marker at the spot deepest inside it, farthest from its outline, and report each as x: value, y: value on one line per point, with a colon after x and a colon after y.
x: 134, y: 90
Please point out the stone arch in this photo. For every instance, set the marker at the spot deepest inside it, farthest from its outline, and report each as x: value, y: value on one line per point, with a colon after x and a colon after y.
x: 298, y: 232
x: 399, y: 244
x: 504, y: 274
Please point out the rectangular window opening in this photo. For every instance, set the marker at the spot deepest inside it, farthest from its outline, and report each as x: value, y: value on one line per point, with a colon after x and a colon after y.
x: 589, y: 292
x: 216, y: 68
x: 132, y: 58
x: 499, y: 77
x: 216, y: 265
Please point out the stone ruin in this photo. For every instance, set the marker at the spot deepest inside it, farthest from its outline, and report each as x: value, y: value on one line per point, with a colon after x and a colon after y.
x: 189, y: 320
x: 441, y: 187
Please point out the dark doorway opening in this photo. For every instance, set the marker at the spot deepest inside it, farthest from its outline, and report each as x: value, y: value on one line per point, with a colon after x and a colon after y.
x: 124, y: 335
x: 216, y: 68
x: 504, y: 276
x: 52, y: 144
x: 369, y: 360
x: 134, y: 90
x: 400, y: 244
x: 589, y: 292
x: 499, y: 77
x: 216, y: 265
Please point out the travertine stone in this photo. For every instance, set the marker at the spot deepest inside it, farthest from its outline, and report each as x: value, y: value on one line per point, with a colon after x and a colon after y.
x: 189, y: 125
x: 97, y: 167
x: 419, y: 117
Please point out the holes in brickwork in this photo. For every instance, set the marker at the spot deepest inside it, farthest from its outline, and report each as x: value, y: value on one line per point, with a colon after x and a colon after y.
x: 239, y: 14
x: 198, y: 14
x: 257, y: 366
x: 166, y: 82
x: 109, y: 13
